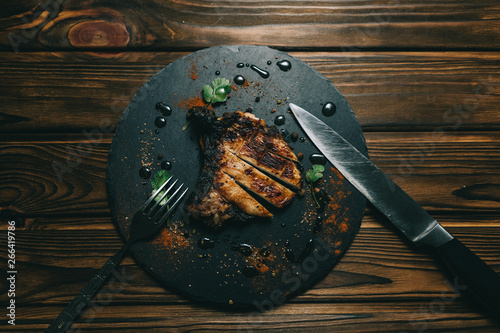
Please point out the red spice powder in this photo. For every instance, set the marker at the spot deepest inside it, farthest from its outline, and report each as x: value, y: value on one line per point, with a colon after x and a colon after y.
x: 170, y: 239
x: 192, y: 102
x: 337, y: 173
x: 263, y: 268
x: 258, y: 261
x: 193, y: 74
x: 331, y: 219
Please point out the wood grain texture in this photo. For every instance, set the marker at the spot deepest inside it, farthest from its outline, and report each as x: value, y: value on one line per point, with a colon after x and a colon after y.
x: 452, y: 171
x: 369, y: 270
x: 156, y: 25
x: 44, y: 179
x: 378, y: 272
x: 72, y: 92
x: 336, y: 317
x: 383, y: 281
x: 423, y: 79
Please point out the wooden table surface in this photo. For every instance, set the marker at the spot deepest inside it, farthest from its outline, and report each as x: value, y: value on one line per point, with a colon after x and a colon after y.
x: 423, y: 79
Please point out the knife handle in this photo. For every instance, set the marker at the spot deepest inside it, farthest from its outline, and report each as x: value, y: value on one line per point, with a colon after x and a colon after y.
x: 479, y: 279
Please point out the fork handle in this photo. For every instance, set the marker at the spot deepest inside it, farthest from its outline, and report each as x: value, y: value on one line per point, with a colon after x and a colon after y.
x: 71, y: 312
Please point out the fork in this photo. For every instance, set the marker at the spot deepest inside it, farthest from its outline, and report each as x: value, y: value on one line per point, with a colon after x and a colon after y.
x: 146, y: 221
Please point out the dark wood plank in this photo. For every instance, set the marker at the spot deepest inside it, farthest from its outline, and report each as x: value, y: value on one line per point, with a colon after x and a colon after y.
x: 76, y: 91
x: 334, y: 317
x: 295, y: 318
x: 380, y: 265
x: 54, y: 178
x: 450, y: 172
x: 372, y: 219
x: 78, y: 76
x: 378, y: 272
x: 153, y: 25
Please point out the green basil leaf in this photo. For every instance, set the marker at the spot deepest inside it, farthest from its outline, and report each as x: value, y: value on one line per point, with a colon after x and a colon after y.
x: 220, y: 82
x: 208, y: 93
x: 315, y: 173
x: 159, y: 179
x: 220, y: 95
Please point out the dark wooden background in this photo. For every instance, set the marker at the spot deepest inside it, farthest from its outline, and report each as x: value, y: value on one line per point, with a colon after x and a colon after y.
x: 422, y: 77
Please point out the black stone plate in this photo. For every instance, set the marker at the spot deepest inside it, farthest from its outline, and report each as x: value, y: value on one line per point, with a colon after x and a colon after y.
x: 293, y: 250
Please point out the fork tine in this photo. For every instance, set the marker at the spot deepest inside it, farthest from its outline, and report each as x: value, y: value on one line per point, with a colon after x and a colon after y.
x: 155, y: 194
x: 164, y: 207
x: 157, y: 203
x: 172, y: 197
x: 167, y: 214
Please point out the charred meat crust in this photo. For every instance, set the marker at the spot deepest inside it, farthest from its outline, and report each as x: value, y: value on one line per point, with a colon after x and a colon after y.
x: 240, y: 155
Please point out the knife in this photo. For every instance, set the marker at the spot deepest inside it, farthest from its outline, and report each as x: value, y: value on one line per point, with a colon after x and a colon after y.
x: 415, y: 223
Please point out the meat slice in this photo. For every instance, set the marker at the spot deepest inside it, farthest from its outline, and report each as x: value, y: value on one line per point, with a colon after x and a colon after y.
x: 255, y: 181
x: 272, y: 140
x: 241, y: 169
x: 222, y: 201
x: 275, y: 165
x: 228, y: 188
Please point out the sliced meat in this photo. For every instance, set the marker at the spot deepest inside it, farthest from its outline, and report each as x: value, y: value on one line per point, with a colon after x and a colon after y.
x: 230, y: 190
x: 222, y: 201
x: 272, y: 140
x: 275, y: 165
x: 255, y: 181
x: 241, y: 169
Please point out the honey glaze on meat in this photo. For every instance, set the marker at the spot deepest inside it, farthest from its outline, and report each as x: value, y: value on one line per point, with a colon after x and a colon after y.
x: 243, y: 159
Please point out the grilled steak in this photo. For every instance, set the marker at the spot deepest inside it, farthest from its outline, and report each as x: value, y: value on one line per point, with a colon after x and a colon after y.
x: 244, y: 163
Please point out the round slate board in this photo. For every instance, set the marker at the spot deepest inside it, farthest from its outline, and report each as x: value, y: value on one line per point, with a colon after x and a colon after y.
x: 263, y: 262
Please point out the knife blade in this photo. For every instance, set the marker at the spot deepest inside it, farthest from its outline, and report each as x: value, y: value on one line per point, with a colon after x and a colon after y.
x: 399, y: 208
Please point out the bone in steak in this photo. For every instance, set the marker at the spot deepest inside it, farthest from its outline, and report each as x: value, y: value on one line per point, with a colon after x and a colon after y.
x: 242, y: 159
